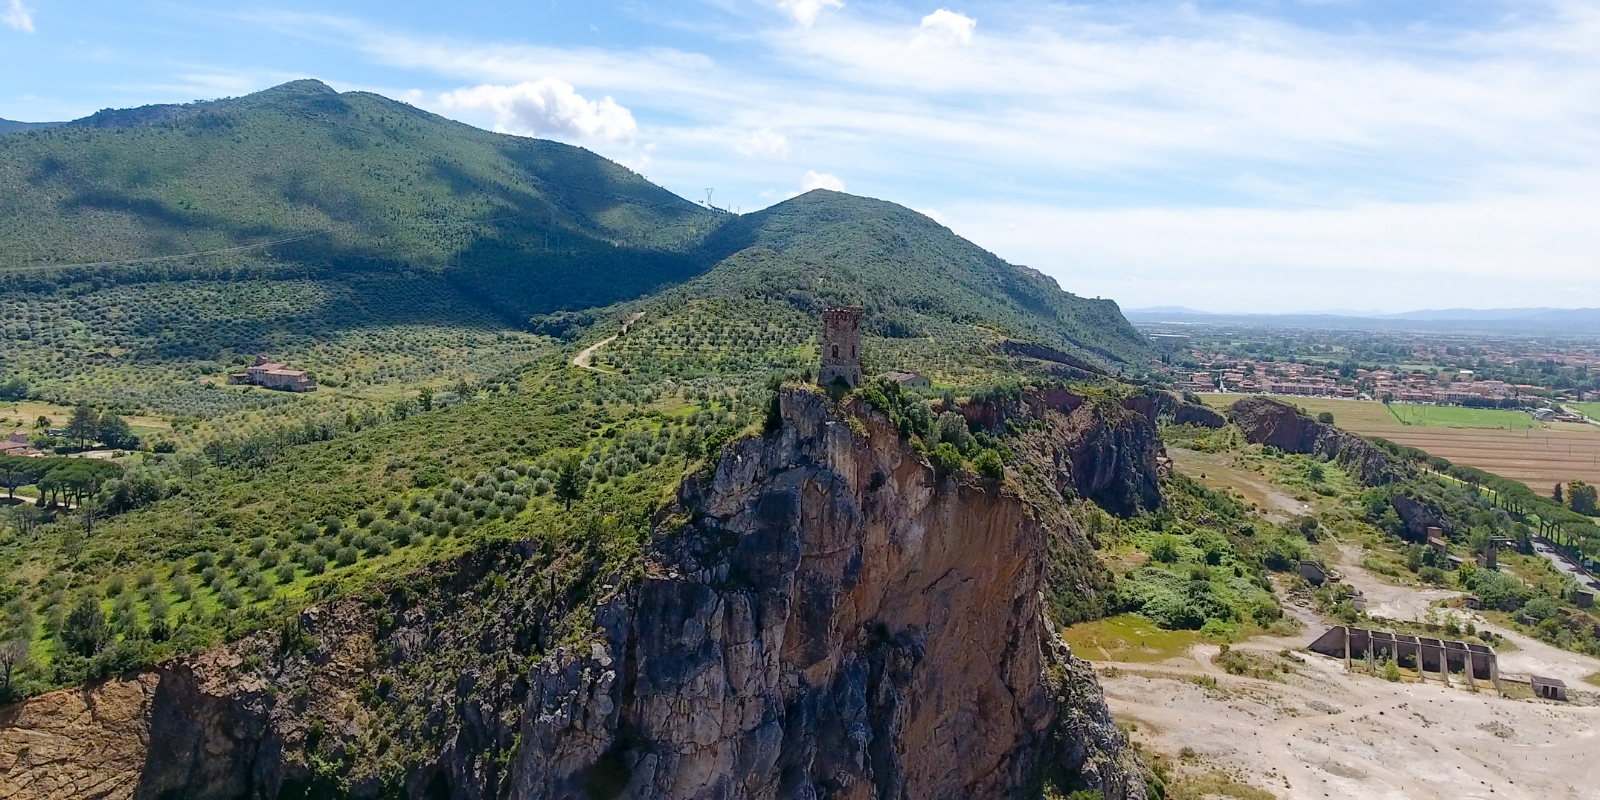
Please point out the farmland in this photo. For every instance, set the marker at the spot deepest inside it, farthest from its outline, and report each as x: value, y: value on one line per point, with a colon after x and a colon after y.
x: 1538, y: 456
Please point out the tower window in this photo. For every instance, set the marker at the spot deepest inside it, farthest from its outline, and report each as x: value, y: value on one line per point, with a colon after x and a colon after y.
x: 852, y: 351
x: 836, y: 351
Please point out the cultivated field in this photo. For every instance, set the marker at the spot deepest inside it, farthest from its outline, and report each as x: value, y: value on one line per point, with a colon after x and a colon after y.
x: 1539, y: 457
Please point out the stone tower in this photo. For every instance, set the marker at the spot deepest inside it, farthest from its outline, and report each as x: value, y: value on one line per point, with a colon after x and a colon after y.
x: 841, y: 340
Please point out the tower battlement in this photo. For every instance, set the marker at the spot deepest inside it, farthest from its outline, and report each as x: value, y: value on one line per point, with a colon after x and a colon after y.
x: 841, y: 346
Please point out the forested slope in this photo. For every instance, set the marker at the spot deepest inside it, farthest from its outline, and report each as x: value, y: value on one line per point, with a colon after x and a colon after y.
x: 530, y: 225
x: 302, y: 181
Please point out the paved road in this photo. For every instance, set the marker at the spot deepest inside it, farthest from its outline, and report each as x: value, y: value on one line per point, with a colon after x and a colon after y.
x: 1565, y: 565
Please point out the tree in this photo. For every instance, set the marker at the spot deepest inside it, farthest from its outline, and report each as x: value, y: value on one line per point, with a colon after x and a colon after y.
x: 13, y: 389
x: 17, y: 471
x: 946, y: 458
x: 1581, y: 496
x: 425, y: 398
x: 84, y: 426
x: 1557, y: 495
x: 1325, y: 417
x: 13, y: 656
x: 989, y: 465
x: 569, y: 483
x: 114, y: 431
x: 85, y: 632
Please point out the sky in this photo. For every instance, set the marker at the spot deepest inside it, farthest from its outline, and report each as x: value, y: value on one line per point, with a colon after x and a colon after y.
x: 1240, y: 155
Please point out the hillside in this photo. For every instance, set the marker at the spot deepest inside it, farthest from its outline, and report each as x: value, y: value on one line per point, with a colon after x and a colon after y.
x: 357, y: 182
x: 900, y: 264
x: 300, y: 180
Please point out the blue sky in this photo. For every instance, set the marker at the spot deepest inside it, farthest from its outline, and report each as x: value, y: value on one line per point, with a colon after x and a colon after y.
x: 1248, y: 155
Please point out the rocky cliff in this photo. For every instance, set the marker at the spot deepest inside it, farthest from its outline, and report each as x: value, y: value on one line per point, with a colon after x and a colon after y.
x: 1275, y: 423
x: 822, y: 617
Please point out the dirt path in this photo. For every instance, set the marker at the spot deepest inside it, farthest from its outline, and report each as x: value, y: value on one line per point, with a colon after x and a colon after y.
x: 585, y: 357
x: 1217, y: 471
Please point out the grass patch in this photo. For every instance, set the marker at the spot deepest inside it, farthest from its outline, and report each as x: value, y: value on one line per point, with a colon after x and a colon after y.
x: 1215, y: 783
x: 1127, y: 638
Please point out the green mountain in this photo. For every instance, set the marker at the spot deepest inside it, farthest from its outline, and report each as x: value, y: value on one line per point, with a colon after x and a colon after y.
x: 300, y: 180
x: 902, y: 265
x: 346, y: 182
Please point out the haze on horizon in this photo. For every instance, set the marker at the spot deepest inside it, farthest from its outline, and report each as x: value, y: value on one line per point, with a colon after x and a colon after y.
x: 1259, y: 155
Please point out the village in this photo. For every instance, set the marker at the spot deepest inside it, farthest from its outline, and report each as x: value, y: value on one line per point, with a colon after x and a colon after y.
x: 1457, y: 387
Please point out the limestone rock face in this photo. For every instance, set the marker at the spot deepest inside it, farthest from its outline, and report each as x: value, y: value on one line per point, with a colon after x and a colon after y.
x: 826, y: 618
x: 1275, y: 423
x: 77, y: 743
x: 822, y: 617
x: 1197, y: 415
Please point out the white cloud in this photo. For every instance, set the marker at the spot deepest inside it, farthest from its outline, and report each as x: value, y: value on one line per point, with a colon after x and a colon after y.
x: 548, y: 107
x: 820, y: 180
x: 805, y: 12
x: 766, y: 143
x: 945, y: 27
x: 18, y: 16
x: 1496, y: 249
x: 1234, y: 155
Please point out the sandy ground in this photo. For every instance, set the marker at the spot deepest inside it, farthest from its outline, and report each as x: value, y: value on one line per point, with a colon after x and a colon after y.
x: 1321, y: 732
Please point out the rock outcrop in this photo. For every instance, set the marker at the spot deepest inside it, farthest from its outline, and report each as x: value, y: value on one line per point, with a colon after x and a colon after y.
x: 1198, y: 416
x: 87, y: 742
x: 822, y: 617
x: 1278, y: 424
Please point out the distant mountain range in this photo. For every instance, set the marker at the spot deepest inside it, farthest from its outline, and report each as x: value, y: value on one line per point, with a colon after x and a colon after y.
x: 1533, y: 320
x: 7, y: 126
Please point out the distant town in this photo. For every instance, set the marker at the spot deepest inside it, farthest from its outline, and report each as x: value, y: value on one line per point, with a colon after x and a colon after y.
x: 1405, y: 368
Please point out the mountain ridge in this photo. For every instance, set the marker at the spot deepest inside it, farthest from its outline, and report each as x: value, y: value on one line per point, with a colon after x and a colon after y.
x: 354, y: 181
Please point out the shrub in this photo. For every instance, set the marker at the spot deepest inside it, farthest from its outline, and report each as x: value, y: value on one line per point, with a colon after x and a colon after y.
x: 285, y: 573
x: 946, y: 458
x: 345, y: 556
x: 316, y: 564
x: 1165, y: 549
x: 1325, y: 417
x: 989, y: 465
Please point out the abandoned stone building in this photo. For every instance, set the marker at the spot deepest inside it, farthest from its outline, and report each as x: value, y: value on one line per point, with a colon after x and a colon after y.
x: 1443, y: 659
x: 841, y: 342
x: 910, y: 380
x: 274, y: 375
x: 1548, y: 688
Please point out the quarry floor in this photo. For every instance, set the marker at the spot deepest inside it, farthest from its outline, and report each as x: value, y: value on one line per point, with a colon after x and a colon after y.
x: 1322, y: 732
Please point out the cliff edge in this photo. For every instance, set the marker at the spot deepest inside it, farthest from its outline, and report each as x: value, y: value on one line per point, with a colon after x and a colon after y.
x: 824, y: 616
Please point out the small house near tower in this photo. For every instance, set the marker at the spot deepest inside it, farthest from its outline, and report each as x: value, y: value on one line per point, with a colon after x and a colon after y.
x: 841, y: 343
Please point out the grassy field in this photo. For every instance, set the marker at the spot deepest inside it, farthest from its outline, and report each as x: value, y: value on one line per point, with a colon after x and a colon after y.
x: 26, y: 413
x: 1507, y: 443
x: 1590, y: 410
x: 1458, y: 417
x: 1128, y: 638
x: 1359, y: 415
